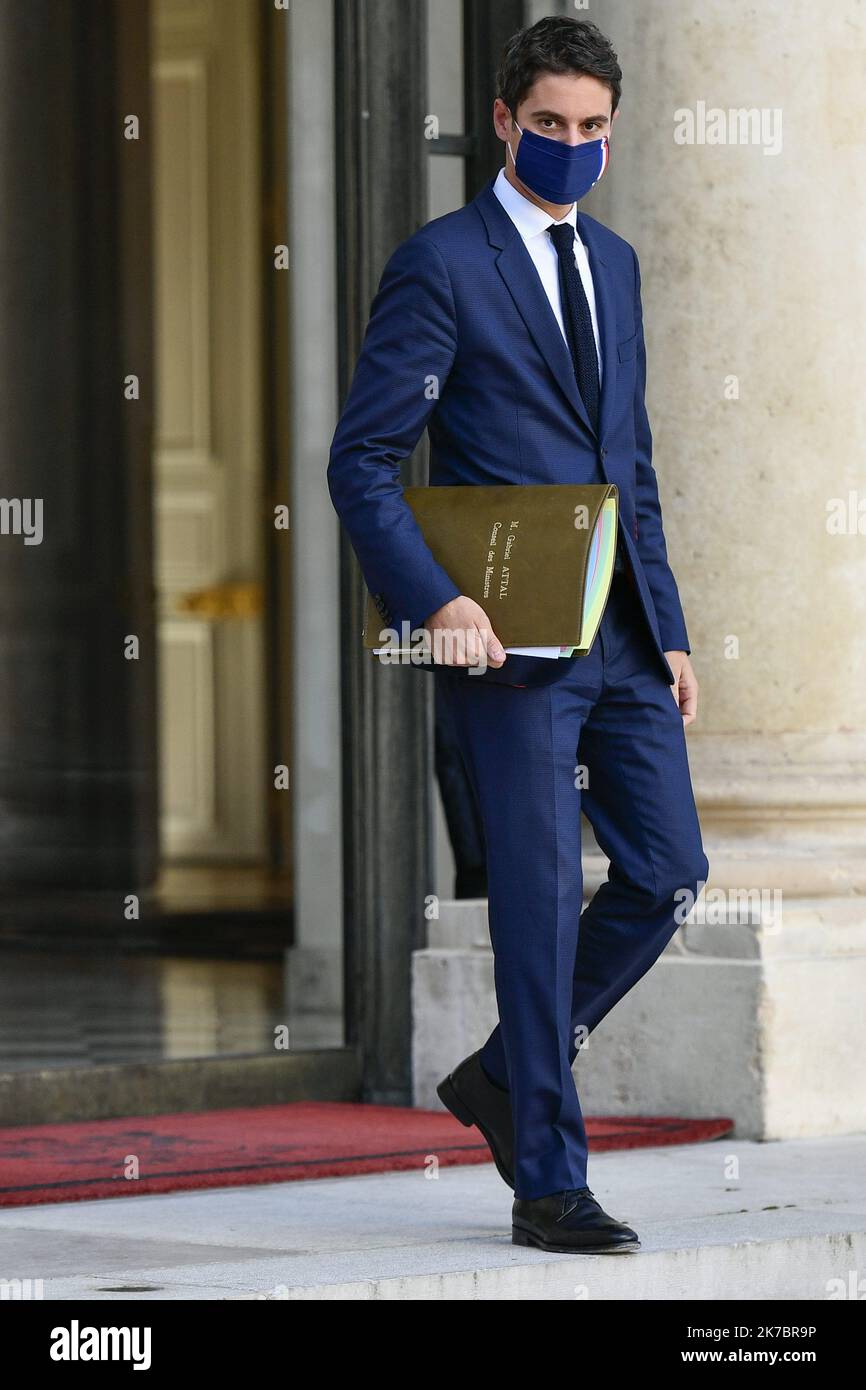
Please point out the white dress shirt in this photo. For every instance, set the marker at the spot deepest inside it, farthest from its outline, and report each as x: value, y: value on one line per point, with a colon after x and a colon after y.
x: 532, y: 222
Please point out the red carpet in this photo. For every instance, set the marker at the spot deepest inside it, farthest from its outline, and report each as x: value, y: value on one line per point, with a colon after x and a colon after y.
x: 267, y: 1143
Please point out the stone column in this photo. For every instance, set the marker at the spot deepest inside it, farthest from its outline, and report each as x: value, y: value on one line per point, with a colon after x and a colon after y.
x: 77, y: 719
x: 387, y: 714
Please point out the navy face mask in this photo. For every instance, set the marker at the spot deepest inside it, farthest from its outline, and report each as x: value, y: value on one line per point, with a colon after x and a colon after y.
x: 556, y: 172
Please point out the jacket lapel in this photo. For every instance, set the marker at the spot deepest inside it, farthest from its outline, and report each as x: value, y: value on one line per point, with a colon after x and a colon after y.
x: 606, y: 311
x: 517, y: 269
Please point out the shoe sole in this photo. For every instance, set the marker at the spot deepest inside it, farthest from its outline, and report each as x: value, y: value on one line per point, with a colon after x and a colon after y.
x: 520, y: 1236
x: 460, y: 1110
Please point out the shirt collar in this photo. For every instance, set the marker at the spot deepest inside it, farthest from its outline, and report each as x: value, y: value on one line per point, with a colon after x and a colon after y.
x: 528, y: 218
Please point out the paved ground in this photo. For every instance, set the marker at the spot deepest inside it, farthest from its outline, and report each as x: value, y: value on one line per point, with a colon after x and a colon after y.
x: 722, y: 1220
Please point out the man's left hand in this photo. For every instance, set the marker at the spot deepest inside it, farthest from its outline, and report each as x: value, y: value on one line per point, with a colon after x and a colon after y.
x: 685, y: 686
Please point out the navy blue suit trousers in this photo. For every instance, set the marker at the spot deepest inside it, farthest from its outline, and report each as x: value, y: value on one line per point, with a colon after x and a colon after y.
x: 606, y: 740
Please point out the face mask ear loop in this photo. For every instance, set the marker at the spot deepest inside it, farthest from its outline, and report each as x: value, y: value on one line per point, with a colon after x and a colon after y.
x: 508, y: 142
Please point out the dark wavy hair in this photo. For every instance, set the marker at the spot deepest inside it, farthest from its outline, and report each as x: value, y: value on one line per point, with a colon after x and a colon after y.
x: 556, y: 44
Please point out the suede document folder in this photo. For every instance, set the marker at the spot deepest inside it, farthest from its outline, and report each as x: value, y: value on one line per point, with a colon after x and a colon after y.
x: 538, y: 559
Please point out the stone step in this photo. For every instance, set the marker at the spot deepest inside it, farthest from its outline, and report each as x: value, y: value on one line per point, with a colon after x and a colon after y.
x: 723, y: 1220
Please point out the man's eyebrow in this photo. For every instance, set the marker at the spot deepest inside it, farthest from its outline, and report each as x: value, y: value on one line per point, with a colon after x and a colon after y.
x: 556, y: 116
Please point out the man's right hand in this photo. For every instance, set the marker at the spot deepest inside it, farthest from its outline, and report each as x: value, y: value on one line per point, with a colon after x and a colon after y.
x: 465, y: 636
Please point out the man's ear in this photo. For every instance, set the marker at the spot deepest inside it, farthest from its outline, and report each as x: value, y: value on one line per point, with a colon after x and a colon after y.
x: 502, y: 119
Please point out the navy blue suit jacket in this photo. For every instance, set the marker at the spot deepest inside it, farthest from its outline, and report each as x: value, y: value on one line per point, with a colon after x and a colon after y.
x: 462, y: 339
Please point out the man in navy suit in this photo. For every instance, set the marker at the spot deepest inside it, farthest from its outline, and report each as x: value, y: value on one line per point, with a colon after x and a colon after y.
x: 512, y: 330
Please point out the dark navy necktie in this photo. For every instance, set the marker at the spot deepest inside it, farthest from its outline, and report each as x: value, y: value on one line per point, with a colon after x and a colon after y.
x: 577, y: 319
x: 578, y: 331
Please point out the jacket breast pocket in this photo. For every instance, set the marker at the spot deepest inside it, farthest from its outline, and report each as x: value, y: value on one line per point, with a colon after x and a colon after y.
x: 626, y: 350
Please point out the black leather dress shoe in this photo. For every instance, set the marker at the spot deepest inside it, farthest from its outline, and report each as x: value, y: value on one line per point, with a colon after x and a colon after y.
x: 570, y: 1223
x: 474, y: 1100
